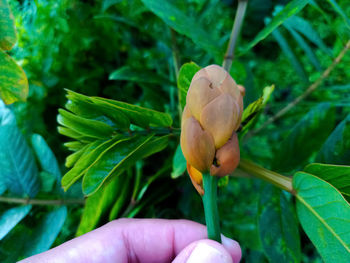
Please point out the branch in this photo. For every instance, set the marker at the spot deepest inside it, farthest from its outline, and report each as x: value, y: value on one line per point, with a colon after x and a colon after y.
x: 307, y: 92
x: 28, y: 201
x: 242, y: 6
x: 274, y: 178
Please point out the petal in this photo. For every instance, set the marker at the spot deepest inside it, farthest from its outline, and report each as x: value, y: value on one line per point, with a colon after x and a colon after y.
x: 197, y: 145
x: 200, y: 94
x: 216, y: 74
x: 196, y: 178
x: 220, y: 117
x: 227, y: 157
x: 185, y: 115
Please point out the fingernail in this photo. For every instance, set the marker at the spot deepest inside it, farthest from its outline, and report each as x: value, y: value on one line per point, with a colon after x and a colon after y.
x: 206, y: 253
x: 228, y: 242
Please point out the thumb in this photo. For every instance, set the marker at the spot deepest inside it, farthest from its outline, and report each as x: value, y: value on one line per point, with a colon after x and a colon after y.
x: 209, y: 251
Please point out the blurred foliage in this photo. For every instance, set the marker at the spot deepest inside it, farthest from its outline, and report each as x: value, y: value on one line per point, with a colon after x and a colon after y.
x: 117, y: 64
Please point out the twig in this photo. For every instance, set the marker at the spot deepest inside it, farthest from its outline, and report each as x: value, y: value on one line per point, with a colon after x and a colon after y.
x: 28, y: 201
x: 242, y: 6
x: 309, y: 90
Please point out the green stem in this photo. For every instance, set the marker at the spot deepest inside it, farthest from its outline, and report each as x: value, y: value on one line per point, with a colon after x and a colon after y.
x: 210, y: 206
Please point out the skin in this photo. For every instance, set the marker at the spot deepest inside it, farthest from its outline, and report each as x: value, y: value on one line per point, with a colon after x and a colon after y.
x: 143, y: 240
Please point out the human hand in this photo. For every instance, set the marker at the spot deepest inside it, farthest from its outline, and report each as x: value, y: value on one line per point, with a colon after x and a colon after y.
x: 143, y: 240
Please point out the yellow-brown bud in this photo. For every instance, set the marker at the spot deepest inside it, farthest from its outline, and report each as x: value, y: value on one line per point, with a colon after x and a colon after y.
x: 212, y: 115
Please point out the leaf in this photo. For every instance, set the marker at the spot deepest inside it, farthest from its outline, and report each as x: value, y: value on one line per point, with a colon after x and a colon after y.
x: 278, y: 226
x: 336, y: 149
x: 125, y: 193
x: 92, y: 128
x: 47, y: 182
x: 336, y: 175
x: 90, y: 156
x: 10, y: 218
x: 119, y: 157
x: 17, y: 164
x: 185, y: 24
x: 179, y: 163
x: 108, y: 3
x: 307, y: 49
x: 46, y: 232
x: 138, y: 75
x: 282, y: 42
x: 306, y: 137
x: 74, y: 157
x: 13, y: 80
x: 303, y: 26
x: 324, y: 215
x: 73, y: 134
x: 8, y: 36
x: 139, y: 116
x: 292, y: 8
x: 45, y: 156
x: 340, y: 11
x: 186, y: 74
x: 97, y: 204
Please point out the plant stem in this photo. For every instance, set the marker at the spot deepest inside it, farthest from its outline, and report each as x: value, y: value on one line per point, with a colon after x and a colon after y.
x: 210, y: 206
x: 307, y: 92
x: 241, y: 8
x: 28, y: 201
x: 274, y: 178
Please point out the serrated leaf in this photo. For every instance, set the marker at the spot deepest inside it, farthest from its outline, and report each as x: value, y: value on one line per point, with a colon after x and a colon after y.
x: 120, y: 157
x: 139, y: 116
x: 13, y: 80
x: 98, y: 204
x: 17, y: 164
x: 336, y: 175
x: 179, y: 163
x: 292, y: 8
x: 8, y: 36
x: 185, y: 24
x: 305, y: 138
x: 186, y: 74
x: 92, y: 128
x: 45, y: 156
x: 10, y: 218
x: 91, y: 154
x: 278, y: 226
x: 46, y: 232
x: 324, y: 215
x: 138, y: 75
x: 336, y: 149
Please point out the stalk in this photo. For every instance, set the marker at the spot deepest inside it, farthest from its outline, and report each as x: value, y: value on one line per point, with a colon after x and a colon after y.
x: 210, y: 206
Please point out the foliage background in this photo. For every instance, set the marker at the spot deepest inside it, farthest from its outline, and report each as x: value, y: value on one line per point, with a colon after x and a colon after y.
x: 120, y: 50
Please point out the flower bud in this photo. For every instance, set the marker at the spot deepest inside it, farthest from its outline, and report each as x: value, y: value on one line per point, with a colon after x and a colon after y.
x: 212, y: 115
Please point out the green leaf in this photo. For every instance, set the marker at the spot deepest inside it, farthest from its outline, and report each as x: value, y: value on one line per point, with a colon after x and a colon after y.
x: 303, y: 26
x: 89, y: 157
x: 73, y: 134
x: 278, y: 226
x: 13, y: 80
x: 92, y: 128
x: 306, y: 137
x: 47, y: 182
x: 324, y: 215
x: 292, y: 8
x: 45, y: 156
x: 179, y: 163
x: 138, y: 75
x: 17, y: 164
x: 98, y: 204
x: 336, y: 149
x: 10, y: 218
x: 74, y: 145
x: 186, y: 74
x: 8, y: 36
x: 46, y: 232
x: 125, y: 193
x: 336, y: 175
x: 186, y: 25
x: 282, y: 42
x: 119, y: 157
x: 139, y: 116
x: 74, y: 157
x: 340, y: 11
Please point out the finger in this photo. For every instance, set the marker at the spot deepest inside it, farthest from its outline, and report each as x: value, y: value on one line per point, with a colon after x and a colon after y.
x: 132, y: 240
x: 204, y: 251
